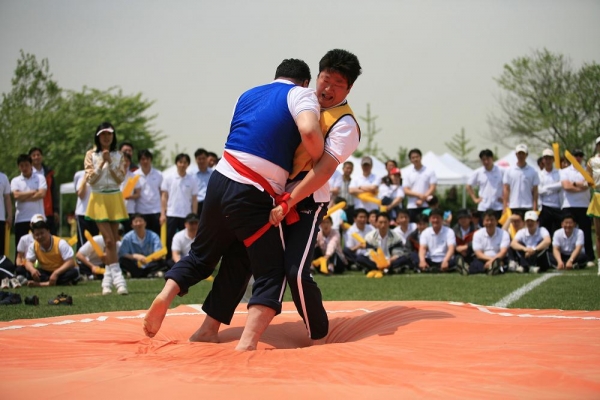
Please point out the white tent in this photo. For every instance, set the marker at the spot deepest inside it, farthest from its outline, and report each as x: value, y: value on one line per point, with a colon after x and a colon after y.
x: 510, y: 159
x: 378, y: 167
x: 456, y: 165
x: 446, y: 175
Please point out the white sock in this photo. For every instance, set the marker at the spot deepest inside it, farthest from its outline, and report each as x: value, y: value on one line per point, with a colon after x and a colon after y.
x: 107, y: 280
x: 117, y: 275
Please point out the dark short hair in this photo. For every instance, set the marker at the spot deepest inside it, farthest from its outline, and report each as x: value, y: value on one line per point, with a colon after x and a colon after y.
x: 402, y: 211
x: 123, y: 144
x: 422, y: 219
x: 113, y: 144
x: 294, y: 69
x: 360, y: 211
x: 40, y: 225
x: 490, y: 214
x: 567, y: 216
x: 373, y: 212
x: 414, y: 151
x: 486, y: 153
x: 200, y: 152
x: 212, y: 154
x: 343, y: 62
x: 31, y: 150
x: 24, y: 158
x: 434, y: 200
x: 145, y: 153
x: 182, y: 156
x: 338, y: 200
x: 384, y: 215
x: 192, y: 217
x: 349, y: 163
x: 436, y: 211
x: 137, y: 215
x: 393, y: 162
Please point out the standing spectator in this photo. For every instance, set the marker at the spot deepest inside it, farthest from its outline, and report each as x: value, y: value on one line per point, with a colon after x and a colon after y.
x: 391, y: 193
x: 464, y: 231
x: 353, y: 246
x: 521, y: 184
x: 490, y: 245
x: 531, y: 245
x: 341, y: 188
x: 334, y: 186
x: 367, y: 183
x: 51, y: 202
x: 436, y: 245
x: 179, y: 192
x: 593, y: 168
x: 6, y: 211
x: 488, y: 180
x: 182, y: 241
x: 136, y: 246
x: 149, y: 203
x: 576, y: 199
x: 130, y: 200
x: 403, y: 225
x: 389, y: 166
x: 329, y: 245
x: 202, y: 176
x: 104, y: 171
x: 213, y: 159
x: 83, y: 191
x: 550, y: 191
x: 419, y: 185
x: 29, y: 191
x: 127, y: 148
x: 567, y: 246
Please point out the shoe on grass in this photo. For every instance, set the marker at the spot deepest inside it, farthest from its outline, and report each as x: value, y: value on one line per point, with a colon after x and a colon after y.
x: 106, y: 291
x: 5, y: 283
x: 11, y: 299
x: 495, y: 269
x: 14, y: 282
x: 122, y: 290
x: 534, y: 270
x: 32, y: 300
x: 61, y: 300
x: 463, y: 268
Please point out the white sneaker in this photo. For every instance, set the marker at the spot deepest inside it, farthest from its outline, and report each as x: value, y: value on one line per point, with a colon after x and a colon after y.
x: 6, y: 283
x: 122, y: 290
x: 14, y: 282
x: 512, y: 265
x: 519, y: 269
x: 599, y: 267
x: 106, y: 290
x: 534, y: 270
x: 590, y: 264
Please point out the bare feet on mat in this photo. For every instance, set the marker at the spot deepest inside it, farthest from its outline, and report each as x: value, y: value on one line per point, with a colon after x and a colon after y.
x: 155, y: 315
x: 208, y: 331
x: 318, y: 342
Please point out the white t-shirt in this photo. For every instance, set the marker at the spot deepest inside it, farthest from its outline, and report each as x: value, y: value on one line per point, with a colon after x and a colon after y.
x: 391, y: 191
x: 88, y: 251
x: 437, y: 244
x: 182, y: 191
x: 182, y: 242
x: 418, y: 181
x: 531, y: 240
x: 336, y: 180
x: 82, y: 203
x: 4, y: 190
x: 550, y: 188
x: 149, y: 200
x: 521, y: 182
x: 24, y: 243
x: 404, y: 235
x: 27, y: 209
x: 566, y: 244
x: 490, y: 187
x: 350, y: 241
x: 574, y: 199
x: 364, y: 181
x: 490, y: 245
x: 130, y: 203
x: 66, y: 251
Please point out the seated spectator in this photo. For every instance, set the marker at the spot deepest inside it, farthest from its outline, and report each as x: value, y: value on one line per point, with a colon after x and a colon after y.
x: 353, y: 246
x: 329, y: 245
x: 182, y: 241
x: 391, y: 193
x: 513, y: 224
x: 434, y: 203
x: 90, y: 262
x: 54, y: 257
x: 339, y: 217
x: 477, y: 218
x: 568, y: 250
x: 23, y: 246
x: 413, y: 239
x: 490, y: 246
x: 403, y: 225
x: 373, y: 218
x: 531, y: 245
x: 436, y: 245
x: 391, y: 245
x: 136, y: 246
x: 464, y: 231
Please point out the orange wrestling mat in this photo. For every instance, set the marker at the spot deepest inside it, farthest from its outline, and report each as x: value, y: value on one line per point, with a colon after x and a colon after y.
x: 375, y: 350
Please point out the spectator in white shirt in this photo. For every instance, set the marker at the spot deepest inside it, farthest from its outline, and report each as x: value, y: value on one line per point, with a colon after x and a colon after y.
x: 329, y: 245
x: 90, y: 263
x: 149, y: 202
x: 531, y: 245
x: 391, y: 193
x: 367, y: 184
x: 182, y: 241
x: 341, y: 188
x: 576, y: 200
x: 490, y: 245
x: 550, y: 190
x: 419, y: 185
x: 6, y: 212
x: 83, y: 190
x: 567, y: 246
x: 403, y: 225
x: 131, y: 200
x: 352, y: 246
x: 436, y: 245
x: 521, y: 184
x: 488, y: 180
x: 202, y: 176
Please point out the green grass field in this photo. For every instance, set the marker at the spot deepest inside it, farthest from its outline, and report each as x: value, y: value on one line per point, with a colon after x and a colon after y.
x: 572, y: 290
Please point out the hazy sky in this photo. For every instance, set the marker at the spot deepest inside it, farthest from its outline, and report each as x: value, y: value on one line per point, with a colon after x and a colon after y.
x: 428, y: 66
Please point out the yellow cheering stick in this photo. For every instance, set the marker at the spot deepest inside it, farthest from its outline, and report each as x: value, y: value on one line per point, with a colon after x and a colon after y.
x: 97, y: 249
x: 556, y: 155
x: 129, y: 186
x: 358, y: 238
x: 369, y: 198
x: 346, y: 226
x: 579, y: 168
x: 163, y: 235
x: 6, y: 239
x: 336, y: 207
x: 321, y: 262
x: 72, y: 240
x: 157, y: 255
x: 379, y: 258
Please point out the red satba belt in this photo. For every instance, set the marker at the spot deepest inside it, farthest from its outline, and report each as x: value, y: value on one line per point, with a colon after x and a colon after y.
x: 280, y: 199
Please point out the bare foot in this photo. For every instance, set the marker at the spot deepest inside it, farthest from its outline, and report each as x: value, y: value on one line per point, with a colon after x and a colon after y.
x: 33, y: 283
x: 155, y: 315
x: 318, y: 342
x: 208, y: 331
x: 245, y: 347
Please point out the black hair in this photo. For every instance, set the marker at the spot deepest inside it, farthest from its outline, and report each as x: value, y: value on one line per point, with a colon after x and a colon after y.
x: 393, y: 162
x: 566, y: 216
x: 383, y: 214
x: 433, y: 201
x: 39, y: 225
x: 490, y: 214
x: 123, y: 144
x: 24, y: 158
x: 294, y: 69
x: 144, y: 153
x: 402, y: 211
x: 127, y: 156
x: 338, y: 200
x: 31, y: 150
x: 417, y: 151
x: 422, y: 218
x: 359, y: 211
x: 342, y: 62
x: 137, y: 215
x: 200, y: 152
x: 348, y: 163
x: 436, y: 211
x: 113, y: 144
x: 181, y: 156
x: 486, y: 153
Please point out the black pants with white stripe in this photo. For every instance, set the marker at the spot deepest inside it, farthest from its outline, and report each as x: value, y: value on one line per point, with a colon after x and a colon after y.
x: 233, y: 212
x: 300, y: 239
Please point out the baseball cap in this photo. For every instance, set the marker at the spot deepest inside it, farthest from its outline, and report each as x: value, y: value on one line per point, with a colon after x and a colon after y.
x: 598, y: 140
x: 532, y: 215
x: 191, y: 217
x: 577, y: 153
x: 366, y: 160
x: 111, y: 130
x: 547, y: 153
x: 522, y: 148
x: 395, y: 171
x: 37, y: 218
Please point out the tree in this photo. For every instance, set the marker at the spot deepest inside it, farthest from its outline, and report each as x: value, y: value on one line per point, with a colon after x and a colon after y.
x: 371, y: 147
x: 459, y: 145
x: 546, y: 100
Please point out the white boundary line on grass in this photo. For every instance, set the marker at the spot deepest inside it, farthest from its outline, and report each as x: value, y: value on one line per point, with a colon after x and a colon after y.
x: 523, y: 290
